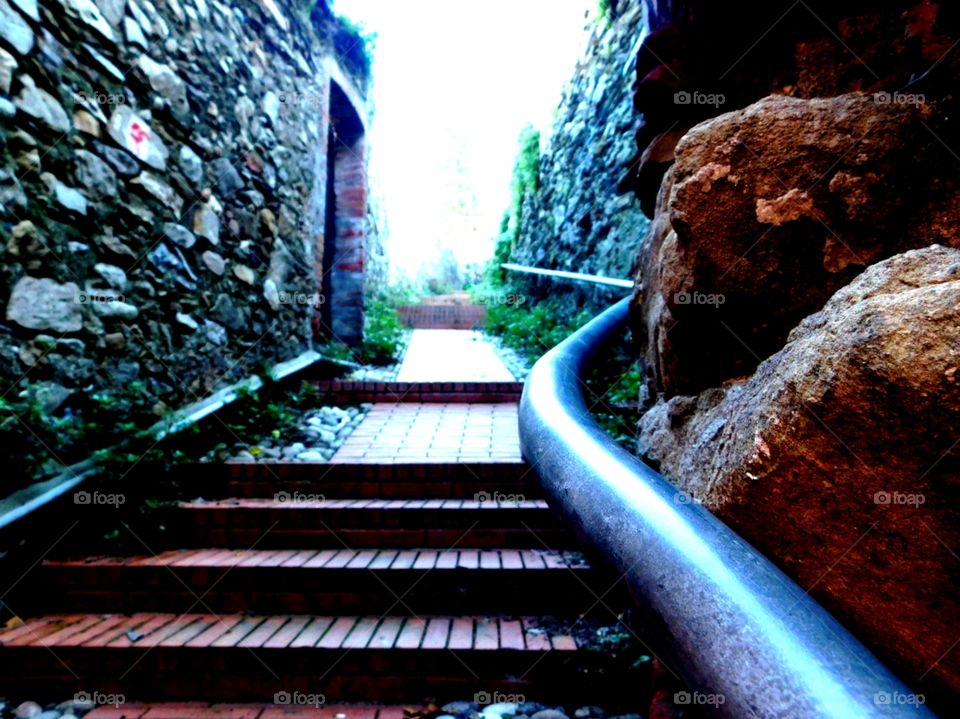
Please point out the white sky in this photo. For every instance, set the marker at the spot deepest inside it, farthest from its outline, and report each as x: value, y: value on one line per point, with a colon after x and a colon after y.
x: 454, y: 83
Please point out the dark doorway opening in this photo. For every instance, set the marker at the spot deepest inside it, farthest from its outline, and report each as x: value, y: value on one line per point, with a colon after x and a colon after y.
x: 344, y: 252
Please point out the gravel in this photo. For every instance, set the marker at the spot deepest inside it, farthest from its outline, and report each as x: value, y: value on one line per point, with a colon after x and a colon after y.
x: 321, y: 433
x: 515, y: 362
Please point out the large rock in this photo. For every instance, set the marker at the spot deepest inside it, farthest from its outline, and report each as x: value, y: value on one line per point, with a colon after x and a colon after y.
x: 191, y: 165
x: 44, y: 304
x: 166, y: 83
x: 159, y: 190
x: 695, y: 64
x: 838, y: 458
x: 112, y: 10
x: 206, y: 223
x: 222, y: 174
x: 767, y: 212
x: 43, y: 107
x: 94, y: 175
x: 14, y: 29
x: 8, y: 66
x: 69, y: 198
x: 88, y: 14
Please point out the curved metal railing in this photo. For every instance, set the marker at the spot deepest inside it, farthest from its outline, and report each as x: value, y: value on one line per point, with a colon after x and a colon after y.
x: 734, y: 625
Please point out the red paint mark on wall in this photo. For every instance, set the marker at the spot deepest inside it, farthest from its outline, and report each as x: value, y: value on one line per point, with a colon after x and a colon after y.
x: 139, y: 135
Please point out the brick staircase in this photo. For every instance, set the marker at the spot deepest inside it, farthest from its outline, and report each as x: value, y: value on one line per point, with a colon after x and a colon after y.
x: 364, y: 580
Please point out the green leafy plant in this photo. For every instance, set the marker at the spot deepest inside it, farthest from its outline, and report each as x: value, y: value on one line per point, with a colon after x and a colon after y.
x: 532, y: 328
x: 604, y: 10
x: 48, y: 438
x: 383, y: 334
x: 384, y: 337
x: 354, y: 46
x: 526, y: 180
x: 612, y: 390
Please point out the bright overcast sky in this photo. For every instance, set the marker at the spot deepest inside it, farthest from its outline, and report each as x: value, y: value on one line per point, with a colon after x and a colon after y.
x: 454, y: 83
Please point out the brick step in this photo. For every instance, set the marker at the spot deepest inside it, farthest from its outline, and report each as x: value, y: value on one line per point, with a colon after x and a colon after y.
x: 414, y: 480
x: 303, y: 522
x: 393, y: 489
x: 252, y: 657
x: 425, y: 581
x: 286, y: 706
x: 347, y: 392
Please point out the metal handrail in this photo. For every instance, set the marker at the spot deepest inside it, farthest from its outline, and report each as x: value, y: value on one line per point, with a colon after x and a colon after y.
x: 563, y: 274
x: 26, y: 500
x: 734, y: 625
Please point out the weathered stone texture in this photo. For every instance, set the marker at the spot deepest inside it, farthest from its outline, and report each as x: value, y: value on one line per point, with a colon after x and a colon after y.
x: 839, y: 457
x: 174, y: 145
x: 770, y: 210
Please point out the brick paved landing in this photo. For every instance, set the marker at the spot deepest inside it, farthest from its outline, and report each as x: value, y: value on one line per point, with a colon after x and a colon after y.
x: 452, y: 356
x: 434, y: 433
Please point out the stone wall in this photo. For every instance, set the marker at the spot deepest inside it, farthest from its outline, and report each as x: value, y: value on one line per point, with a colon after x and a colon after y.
x: 578, y: 220
x: 163, y: 204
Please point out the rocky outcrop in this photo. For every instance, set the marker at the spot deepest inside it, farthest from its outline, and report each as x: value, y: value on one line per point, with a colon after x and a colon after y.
x: 771, y: 209
x: 797, y: 306
x: 158, y: 167
x: 705, y: 58
x: 576, y: 220
x: 838, y: 458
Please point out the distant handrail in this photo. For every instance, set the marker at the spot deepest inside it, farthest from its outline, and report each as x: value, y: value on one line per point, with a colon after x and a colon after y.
x: 563, y: 274
x: 734, y: 625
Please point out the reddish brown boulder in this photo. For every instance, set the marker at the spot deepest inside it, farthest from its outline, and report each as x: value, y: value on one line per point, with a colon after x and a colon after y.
x: 771, y: 209
x: 840, y: 457
x: 743, y: 51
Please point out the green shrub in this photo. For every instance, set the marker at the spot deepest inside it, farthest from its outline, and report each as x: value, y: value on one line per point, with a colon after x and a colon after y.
x: 383, y: 334
x: 612, y: 389
x: 526, y: 179
x: 531, y: 329
x: 604, y: 10
x: 354, y: 46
